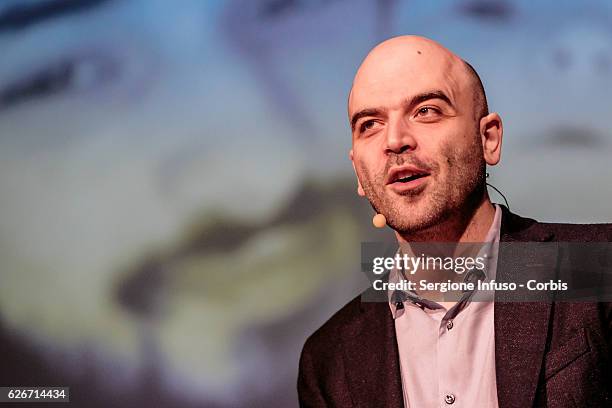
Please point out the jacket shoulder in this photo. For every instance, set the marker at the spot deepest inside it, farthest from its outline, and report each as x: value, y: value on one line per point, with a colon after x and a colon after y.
x: 527, y: 229
x: 321, y: 367
x: 579, y: 232
x: 333, y: 328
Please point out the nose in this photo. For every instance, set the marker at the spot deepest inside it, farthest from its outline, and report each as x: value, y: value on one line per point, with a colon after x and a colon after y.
x: 399, y: 138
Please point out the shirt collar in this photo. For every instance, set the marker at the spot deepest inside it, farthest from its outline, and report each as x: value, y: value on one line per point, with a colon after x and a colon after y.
x: 489, y: 251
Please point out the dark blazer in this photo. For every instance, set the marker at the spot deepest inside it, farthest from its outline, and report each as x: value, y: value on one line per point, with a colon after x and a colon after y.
x: 553, y: 354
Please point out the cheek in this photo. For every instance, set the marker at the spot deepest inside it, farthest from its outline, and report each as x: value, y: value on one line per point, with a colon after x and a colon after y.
x: 460, y: 146
x: 460, y: 163
x: 368, y: 162
x: 449, y: 159
x: 437, y: 153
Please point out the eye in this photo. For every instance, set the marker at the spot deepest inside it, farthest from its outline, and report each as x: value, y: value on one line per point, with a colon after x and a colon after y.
x: 368, y: 125
x: 427, y: 111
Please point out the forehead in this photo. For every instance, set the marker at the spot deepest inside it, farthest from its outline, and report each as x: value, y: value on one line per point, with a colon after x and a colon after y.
x: 388, y: 77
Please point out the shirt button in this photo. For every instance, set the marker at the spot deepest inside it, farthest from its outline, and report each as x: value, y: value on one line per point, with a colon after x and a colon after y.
x: 449, y: 325
x: 449, y: 399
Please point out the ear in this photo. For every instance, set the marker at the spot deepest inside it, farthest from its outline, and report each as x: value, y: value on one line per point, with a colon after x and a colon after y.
x: 359, y: 188
x: 491, y: 134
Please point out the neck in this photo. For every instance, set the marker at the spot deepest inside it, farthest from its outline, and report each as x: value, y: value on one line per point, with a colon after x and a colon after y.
x: 468, y: 224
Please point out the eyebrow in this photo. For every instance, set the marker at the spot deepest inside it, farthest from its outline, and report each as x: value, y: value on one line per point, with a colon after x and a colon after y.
x: 415, y: 100
x: 366, y: 112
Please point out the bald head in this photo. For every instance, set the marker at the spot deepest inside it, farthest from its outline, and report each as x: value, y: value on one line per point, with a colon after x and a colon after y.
x: 416, y: 60
x: 421, y: 137
x: 479, y: 97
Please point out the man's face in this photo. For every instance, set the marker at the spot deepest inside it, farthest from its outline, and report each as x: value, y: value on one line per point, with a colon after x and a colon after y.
x: 416, y: 149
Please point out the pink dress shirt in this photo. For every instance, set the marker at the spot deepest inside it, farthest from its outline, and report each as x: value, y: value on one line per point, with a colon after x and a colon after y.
x: 447, y: 357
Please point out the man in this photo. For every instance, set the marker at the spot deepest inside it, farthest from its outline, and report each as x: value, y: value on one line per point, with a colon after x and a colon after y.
x: 422, y: 137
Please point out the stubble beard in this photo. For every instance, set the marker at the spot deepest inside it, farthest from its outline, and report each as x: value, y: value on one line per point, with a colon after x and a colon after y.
x: 418, y: 211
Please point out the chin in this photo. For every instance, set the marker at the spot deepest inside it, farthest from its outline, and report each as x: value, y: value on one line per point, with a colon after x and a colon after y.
x: 414, y: 218
x: 409, y: 224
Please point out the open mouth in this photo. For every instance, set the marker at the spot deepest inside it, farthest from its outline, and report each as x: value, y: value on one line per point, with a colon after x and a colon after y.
x: 406, y: 177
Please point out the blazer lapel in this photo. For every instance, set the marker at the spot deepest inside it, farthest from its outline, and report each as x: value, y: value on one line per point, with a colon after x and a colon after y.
x: 521, y: 328
x: 371, y: 358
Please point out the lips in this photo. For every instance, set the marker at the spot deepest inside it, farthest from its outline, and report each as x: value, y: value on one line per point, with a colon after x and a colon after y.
x: 407, y: 180
x: 406, y: 175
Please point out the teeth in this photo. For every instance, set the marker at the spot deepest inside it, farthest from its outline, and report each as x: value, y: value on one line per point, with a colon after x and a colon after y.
x: 404, y: 176
x: 409, y: 178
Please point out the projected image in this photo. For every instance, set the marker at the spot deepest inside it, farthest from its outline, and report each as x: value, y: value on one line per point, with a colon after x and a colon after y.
x: 178, y: 210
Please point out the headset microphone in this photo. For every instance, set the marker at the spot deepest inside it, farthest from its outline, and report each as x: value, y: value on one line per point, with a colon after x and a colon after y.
x: 379, y: 221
